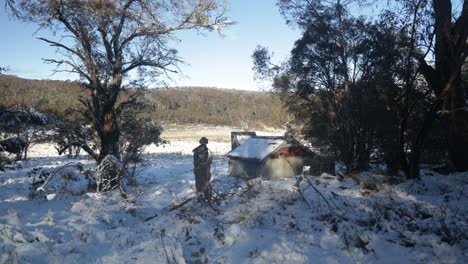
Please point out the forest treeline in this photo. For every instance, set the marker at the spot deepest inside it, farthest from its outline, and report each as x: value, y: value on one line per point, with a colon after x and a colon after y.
x: 390, y: 87
x: 180, y: 105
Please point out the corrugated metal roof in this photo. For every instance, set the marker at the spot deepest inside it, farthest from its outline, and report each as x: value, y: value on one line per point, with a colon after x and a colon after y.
x: 256, y: 148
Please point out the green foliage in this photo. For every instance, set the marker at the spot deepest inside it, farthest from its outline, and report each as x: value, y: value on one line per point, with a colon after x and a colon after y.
x: 137, y: 131
x: 352, y: 88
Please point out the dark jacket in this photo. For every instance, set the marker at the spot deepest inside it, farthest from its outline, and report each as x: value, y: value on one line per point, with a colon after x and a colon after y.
x: 201, y: 156
x: 202, y: 162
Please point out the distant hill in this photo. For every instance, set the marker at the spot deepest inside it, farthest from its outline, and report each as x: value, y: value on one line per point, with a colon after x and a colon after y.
x: 179, y: 105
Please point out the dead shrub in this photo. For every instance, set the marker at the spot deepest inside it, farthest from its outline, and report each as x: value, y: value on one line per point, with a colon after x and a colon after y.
x: 370, y: 185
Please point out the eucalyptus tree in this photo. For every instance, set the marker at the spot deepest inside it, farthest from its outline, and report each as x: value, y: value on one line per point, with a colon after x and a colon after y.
x: 322, y: 81
x: 404, y: 67
x: 450, y: 50
x: 115, y: 44
x: 440, y: 29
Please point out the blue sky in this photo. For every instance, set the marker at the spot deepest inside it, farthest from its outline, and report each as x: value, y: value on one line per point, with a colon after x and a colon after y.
x: 210, y: 60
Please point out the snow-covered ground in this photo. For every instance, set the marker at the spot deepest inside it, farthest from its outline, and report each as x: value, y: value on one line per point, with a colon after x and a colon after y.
x: 360, y: 220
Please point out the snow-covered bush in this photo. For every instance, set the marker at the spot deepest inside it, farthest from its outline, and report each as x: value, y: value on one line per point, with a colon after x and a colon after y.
x: 13, y: 145
x: 71, y: 178
x: 4, y: 160
x: 135, y: 134
x: 23, y: 126
x: 70, y: 136
x: 108, y: 174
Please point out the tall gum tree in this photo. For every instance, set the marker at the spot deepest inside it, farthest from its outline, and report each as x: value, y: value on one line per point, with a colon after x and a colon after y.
x: 321, y: 82
x: 445, y: 76
x: 432, y: 27
x: 109, y: 42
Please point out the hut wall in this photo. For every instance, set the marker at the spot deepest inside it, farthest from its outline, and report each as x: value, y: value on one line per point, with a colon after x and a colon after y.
x: 281, y: 167
x: 243, y: 169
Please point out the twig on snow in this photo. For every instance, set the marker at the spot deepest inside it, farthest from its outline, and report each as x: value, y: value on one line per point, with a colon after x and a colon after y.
x: 331, y: 205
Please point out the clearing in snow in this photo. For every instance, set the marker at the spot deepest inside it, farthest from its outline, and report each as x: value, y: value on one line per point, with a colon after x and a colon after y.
x: 303, y: 219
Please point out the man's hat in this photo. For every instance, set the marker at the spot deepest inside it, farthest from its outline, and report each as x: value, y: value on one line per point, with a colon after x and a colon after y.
x: 203, y: 140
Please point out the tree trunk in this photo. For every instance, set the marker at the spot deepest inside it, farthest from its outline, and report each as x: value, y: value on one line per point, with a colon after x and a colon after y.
x: 25, y: 150
x: 458, y: 140
x: 362, y: 155
x: 450, y: 54
x: 417, y: 146
x: 109, y: 135
x: 458, y: 127
x: 401, y: 146
x: 25, y: 156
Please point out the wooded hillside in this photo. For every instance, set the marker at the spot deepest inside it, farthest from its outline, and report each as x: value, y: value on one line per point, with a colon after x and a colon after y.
x: 175, y: 105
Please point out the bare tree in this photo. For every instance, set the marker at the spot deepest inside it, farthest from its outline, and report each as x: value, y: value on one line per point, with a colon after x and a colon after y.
x: 114, y: 43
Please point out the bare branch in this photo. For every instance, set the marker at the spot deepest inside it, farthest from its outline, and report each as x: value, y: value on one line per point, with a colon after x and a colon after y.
x: 76, y: 69
x: 148, y: 63
x: 119, y: 27
x: 461, y: 24
x: 60, y: 45
x: 460, y: 29
x: 82, y: 145
x: 133, y: 98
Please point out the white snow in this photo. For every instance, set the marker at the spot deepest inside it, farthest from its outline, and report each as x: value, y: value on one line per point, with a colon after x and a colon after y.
x: 256, y: 148
x: 255, y: 222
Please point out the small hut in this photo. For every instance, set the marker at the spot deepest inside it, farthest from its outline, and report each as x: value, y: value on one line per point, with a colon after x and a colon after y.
x: 268, y: 158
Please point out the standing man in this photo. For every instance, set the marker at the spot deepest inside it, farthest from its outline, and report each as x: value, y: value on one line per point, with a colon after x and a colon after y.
x: 202, y: 163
